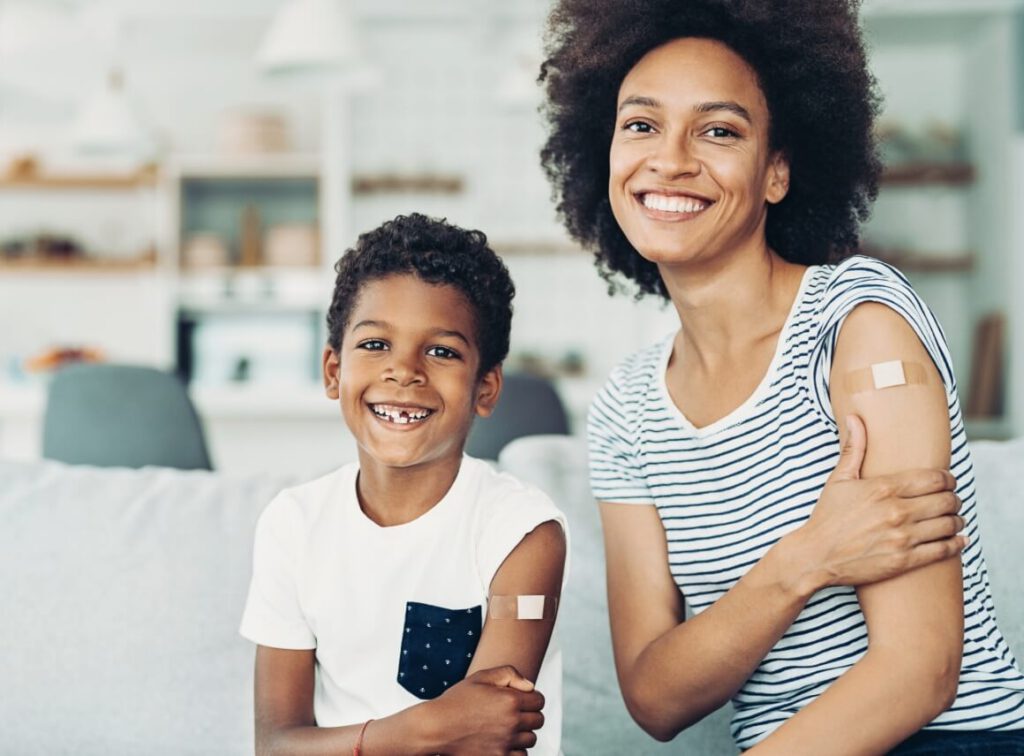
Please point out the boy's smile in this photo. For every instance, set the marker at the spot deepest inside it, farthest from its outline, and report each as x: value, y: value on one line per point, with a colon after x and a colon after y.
x: 406, y: 375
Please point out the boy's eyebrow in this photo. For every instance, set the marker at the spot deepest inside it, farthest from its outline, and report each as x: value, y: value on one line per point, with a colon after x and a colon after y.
x: 451, y: 334
x: 434, y: 333
x: 370, y: 324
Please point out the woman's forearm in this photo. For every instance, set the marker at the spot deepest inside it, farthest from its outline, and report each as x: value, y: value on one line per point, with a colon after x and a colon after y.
x: 883, y: 699
x: 698, y: 665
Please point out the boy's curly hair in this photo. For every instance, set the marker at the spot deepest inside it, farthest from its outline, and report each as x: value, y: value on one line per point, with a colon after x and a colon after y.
x: 810, y: 62
x: 436, y: 252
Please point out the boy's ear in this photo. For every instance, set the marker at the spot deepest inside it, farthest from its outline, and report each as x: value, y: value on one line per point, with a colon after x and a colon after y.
x: 488, y: 391
x: 331, y: 366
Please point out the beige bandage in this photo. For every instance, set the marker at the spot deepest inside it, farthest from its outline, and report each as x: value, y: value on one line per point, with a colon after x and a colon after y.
x: 522, y: 607
x: 883, y: 375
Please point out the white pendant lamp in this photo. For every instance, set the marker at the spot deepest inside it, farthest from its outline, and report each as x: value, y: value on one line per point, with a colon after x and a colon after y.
x: 310, y: 36
x: 109, y: 124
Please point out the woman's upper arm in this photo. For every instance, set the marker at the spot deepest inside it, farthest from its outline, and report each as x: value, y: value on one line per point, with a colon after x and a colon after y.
x: 907, y: 428
x: 643, y: 600
x: 533, y: 568
x: 284, y: 689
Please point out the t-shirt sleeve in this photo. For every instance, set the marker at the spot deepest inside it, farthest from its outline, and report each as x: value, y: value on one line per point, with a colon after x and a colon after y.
x: 859, y: 280
x: 508, y: 522
x: 273, y: 614
x: 615, y: 473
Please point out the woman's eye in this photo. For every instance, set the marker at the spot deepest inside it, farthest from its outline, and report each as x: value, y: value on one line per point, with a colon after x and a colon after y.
x: 372, y: 345
x: 638, y: 127
x: 443, y: 352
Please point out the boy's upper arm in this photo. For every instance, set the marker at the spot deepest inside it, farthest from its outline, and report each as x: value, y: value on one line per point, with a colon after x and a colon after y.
x: 907, y: 428
x: 534, y: 567
x: 284, y: 683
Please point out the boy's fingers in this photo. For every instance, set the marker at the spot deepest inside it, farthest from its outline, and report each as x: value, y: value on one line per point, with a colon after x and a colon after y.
x: 533, y: 701
x: 504, y: 677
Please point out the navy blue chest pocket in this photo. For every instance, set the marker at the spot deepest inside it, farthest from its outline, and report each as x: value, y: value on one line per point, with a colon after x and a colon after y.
x: 437, y: 646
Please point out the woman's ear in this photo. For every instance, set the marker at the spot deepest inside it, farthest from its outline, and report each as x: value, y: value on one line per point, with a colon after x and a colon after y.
x: 778, y: 178
x: 331, y: 366
x: 488, y: 390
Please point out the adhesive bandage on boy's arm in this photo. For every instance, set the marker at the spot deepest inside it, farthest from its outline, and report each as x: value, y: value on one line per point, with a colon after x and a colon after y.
x: 530, y: 607
x: 884, y: 375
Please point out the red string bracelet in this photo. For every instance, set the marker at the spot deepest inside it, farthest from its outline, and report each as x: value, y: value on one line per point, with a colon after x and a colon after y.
x: 357, y: 749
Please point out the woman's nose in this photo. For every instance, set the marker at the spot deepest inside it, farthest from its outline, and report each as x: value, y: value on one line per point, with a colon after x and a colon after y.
x: 674, y: 156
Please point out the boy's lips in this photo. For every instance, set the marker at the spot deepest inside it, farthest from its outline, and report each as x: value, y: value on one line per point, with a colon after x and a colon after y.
x: 400, y: 414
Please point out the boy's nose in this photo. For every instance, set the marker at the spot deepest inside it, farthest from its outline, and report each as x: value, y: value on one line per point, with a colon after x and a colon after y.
x: 404, y: 370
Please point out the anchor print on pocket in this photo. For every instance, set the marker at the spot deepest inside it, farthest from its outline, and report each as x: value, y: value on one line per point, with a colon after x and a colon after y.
x: 437, y: 646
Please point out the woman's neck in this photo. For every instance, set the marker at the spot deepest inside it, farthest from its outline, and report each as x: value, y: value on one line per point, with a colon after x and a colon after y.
x: 397, y: 495
x: 732, y: 301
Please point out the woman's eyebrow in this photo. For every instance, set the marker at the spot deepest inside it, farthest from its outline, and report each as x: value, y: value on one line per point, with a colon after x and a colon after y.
x: 732, y: 107
x: 640, y: 100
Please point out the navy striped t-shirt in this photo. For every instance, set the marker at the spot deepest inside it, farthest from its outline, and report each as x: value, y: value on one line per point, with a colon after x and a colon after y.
x: 727, y: 492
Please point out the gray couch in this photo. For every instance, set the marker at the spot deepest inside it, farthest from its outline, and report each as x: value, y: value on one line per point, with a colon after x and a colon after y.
x: 123, y: 588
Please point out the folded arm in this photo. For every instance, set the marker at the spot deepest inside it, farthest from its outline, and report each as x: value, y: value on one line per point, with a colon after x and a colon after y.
x: 910, y: 672
x: 494, y: 710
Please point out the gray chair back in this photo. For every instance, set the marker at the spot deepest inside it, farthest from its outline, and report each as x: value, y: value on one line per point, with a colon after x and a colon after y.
x: 122, y: 416
x: 528, y: 406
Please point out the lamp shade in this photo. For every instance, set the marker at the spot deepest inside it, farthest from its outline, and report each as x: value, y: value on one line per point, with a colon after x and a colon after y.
x: 109, y: 124
x: 309, y: 36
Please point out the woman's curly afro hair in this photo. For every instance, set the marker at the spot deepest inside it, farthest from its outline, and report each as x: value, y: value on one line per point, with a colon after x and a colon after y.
x: 437, y: 253
x: 810, y: 62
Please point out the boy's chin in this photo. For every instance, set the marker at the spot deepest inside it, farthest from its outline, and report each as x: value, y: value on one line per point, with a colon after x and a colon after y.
x: 401, y: 459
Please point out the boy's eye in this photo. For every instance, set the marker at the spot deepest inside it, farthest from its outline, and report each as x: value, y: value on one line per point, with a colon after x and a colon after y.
x: 721, y: 132
x: 372, y: 345
x: 443, y: 352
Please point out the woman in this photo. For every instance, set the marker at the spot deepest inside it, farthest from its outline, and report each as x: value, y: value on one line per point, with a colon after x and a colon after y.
x: 719, y: 155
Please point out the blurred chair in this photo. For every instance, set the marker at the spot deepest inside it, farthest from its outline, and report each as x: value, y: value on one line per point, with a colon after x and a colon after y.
x: 122, y: 416
x: 529, y: 406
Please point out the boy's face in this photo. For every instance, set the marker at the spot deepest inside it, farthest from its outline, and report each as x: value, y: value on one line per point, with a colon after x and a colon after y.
x: 406, y: 375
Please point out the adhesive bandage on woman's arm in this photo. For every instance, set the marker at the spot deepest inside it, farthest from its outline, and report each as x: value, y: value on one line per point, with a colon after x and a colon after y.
x: 883, y: 375
x: 522, y: 607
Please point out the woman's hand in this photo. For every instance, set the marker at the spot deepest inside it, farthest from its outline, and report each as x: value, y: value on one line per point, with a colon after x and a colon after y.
x: 866, y: 530
x: 493, y: 711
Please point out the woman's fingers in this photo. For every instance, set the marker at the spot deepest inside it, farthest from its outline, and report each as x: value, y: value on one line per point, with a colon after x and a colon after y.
x: 930, y: 506
x: 937, y: 529
x: 912, y: 483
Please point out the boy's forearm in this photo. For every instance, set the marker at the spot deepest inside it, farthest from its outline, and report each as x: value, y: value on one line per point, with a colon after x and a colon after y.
x: 409, y: 732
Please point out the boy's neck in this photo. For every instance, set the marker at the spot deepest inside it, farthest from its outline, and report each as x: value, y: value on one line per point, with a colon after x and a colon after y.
x: 397, y: 495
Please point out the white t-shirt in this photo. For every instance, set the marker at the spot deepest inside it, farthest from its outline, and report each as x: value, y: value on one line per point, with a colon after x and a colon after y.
x: 394, y: 613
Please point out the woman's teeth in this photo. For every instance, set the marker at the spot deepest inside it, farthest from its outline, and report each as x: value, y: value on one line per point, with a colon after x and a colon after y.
x: 673, y: 204
x: 400, y: 415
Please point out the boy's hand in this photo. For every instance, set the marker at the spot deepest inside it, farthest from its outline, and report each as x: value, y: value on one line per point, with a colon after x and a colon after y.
x: 493, y: 711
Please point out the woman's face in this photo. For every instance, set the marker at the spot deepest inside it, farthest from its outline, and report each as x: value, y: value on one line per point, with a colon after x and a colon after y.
x: 690, y: 166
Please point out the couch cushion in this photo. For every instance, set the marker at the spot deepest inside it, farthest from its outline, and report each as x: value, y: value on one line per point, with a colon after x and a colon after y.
x: 123, y: 590
x: 999, y: 469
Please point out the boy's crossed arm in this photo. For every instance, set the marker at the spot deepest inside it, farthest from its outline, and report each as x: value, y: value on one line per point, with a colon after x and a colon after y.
x: 494, y: 710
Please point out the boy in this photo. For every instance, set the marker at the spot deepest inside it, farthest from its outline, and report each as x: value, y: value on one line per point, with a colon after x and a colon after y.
x: 389, y: 598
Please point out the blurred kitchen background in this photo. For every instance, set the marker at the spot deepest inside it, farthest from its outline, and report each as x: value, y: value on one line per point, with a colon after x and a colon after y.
x: 177, y: 179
